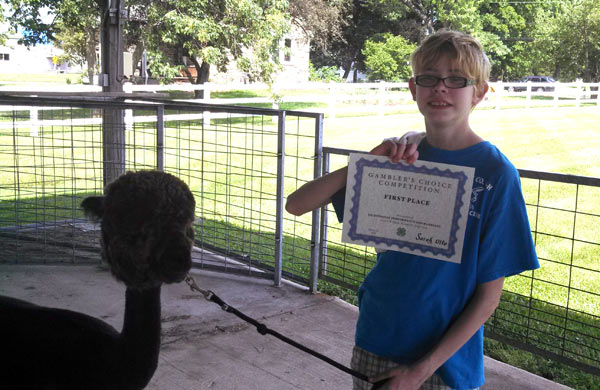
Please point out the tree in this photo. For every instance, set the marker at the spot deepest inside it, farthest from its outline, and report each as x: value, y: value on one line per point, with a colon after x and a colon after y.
x: 568, y: 41
x: 431, y: 15
x: 3, y: 34
x: 182, y: 32
x: 363, y: 20
x: 321, y: 20
x: 74, y: 26
x: 78, y: 32
x: 410, y: 19
x: 387, y: 58
x: 28, y: 15
x: 176, y: 33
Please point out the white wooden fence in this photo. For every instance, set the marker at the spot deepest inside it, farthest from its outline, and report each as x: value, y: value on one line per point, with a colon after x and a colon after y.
x: 336, y: 99
x: 381, y: 98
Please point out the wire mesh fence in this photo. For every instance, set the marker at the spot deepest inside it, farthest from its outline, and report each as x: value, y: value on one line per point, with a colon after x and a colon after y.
x: 55, y: 152
x: 553, y: 311
x: 239, y: 163
x: 47, y: 168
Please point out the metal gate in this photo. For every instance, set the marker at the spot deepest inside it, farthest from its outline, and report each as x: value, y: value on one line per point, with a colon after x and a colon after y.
x: 236, y: 160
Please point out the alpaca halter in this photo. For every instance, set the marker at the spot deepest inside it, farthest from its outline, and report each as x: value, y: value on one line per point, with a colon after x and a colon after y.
x: 263, y: 330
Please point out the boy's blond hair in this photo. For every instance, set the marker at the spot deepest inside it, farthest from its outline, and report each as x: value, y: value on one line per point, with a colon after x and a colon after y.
x: 465, y: 51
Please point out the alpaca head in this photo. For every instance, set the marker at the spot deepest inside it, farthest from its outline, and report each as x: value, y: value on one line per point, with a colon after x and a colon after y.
x: 147, y: 227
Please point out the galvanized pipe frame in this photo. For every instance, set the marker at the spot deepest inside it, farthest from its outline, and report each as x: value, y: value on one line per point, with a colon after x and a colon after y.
x: 316, y: 214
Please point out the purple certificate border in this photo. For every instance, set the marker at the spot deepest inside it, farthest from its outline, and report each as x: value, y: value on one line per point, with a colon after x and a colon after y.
x: 362, y: 163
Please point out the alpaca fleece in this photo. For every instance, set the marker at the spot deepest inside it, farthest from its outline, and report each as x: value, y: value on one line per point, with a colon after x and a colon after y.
x: 147, y: 235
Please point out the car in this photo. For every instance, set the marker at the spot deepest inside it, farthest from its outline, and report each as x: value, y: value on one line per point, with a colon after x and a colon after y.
x: 535, y: 88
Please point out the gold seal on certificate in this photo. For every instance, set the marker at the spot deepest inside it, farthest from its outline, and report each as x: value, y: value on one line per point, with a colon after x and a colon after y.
x: 420, y: 209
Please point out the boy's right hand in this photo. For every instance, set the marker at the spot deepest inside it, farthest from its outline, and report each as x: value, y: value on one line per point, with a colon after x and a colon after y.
x: 402, y: 148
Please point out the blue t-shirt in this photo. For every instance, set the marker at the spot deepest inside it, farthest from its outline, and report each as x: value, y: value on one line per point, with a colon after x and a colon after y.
x: 407, y: 302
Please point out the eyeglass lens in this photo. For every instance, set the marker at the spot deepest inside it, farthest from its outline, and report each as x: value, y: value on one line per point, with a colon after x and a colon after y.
x: 450, y: 82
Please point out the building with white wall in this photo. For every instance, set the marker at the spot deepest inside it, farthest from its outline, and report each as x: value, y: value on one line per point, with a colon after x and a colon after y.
x: 17, y: 58
x: 293, y: 55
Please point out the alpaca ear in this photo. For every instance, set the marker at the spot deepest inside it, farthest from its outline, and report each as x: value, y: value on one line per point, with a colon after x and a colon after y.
x: 93, y: 207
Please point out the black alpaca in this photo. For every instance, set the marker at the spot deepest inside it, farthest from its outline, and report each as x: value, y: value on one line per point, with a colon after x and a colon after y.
x: 147, y: 235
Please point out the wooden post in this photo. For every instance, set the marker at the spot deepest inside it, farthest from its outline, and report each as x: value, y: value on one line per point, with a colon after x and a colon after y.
x: 332, y: 101
x: 381, y: 98
x: 499, y: 93
x: 111, y: 78
x: 206, y: 99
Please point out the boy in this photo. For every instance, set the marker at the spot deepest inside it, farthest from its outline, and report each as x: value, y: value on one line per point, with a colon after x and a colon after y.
x: 421, y: 320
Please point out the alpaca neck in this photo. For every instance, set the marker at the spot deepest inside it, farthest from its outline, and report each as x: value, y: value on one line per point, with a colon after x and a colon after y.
x: 140, y: 337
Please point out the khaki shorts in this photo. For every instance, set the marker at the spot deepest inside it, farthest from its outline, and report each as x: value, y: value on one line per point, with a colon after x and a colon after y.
x: 371, y: 365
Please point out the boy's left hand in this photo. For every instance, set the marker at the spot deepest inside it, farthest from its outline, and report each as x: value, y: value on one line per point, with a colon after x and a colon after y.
x: 400, y: 148
x: 397, y: 151
x: 401, y: 378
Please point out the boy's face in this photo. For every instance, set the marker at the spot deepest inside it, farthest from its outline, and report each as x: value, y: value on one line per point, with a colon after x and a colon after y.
x: 441, y: 105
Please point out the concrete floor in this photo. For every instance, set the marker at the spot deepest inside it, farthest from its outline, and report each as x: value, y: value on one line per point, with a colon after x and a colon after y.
x: 204, y: 347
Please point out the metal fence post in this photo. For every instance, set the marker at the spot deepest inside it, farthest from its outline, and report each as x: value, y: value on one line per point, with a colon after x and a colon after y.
x: 160, y: 137
x: 279, y: 198
x: 323, y: 225
x: 316, y: 214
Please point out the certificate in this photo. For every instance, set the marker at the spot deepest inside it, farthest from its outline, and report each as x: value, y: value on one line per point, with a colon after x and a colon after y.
x: 420, y: 209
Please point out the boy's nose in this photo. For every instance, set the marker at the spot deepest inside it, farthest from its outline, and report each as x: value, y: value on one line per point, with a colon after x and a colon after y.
x: 440, y: 85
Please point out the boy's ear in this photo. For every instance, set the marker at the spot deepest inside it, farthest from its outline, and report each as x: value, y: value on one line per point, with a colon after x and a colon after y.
x: 479, y: 93
x: 413, y: 88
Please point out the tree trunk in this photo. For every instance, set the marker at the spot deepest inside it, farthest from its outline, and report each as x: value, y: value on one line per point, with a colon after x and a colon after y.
x: 137, y: 57
x: 90, y: 54
x: 202, y: 75
x: 346, y: 73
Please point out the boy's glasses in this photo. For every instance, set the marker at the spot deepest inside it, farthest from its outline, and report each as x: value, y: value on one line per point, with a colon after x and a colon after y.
x: 453, y: 82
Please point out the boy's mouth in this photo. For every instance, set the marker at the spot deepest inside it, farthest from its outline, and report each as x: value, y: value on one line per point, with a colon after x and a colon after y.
x: 439, y: 104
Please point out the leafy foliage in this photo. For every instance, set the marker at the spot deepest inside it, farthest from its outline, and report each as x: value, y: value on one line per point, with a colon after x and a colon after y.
x: 558, y: 38
x: 28, y: 14
x: 363, y: 20
x: 321, y: 20
x: 183, y: 32
x: 324, y: 73
x: 177, y: 33
x: 387, y: 58
x: 567, y: 41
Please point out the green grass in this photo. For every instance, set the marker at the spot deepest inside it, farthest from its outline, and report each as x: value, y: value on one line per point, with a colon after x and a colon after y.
x: 60, y: 78
x: 544, y: 139
x: 561, y: 140
x: 42, y: 209
x: 541, y: 366
x: 544, y: 327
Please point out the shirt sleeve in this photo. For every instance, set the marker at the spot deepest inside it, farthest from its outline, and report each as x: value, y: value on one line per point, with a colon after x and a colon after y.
x: 338, y: 200
x: 506, y: 246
